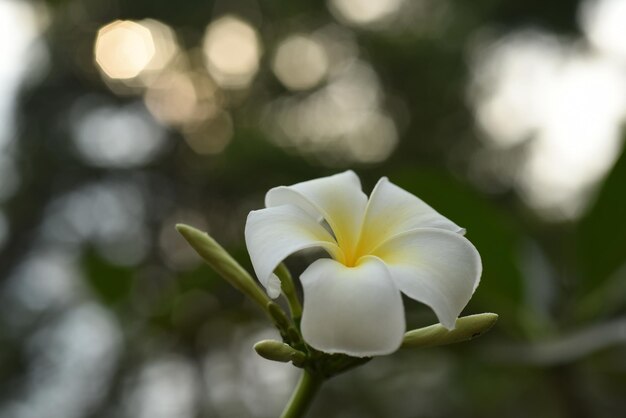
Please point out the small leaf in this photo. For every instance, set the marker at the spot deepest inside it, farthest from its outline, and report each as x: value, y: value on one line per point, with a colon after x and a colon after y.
x: 467, y: 328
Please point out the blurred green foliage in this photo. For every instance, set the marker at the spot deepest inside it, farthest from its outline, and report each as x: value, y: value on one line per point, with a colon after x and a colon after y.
x: 162, y: 306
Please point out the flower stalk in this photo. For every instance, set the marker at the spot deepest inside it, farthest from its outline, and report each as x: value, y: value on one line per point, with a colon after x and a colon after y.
x: 302, y: 397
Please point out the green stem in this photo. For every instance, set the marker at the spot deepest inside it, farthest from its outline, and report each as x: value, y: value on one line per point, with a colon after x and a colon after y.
x: 289, y: 291
x: 302, y: 396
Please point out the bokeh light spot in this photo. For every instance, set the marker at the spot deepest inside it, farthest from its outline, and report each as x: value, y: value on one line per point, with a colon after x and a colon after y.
x: 300, y: 62
x: 232, y: 52
x: 165, y: 44
x: 123, y: 49
x: 374, y: 140
x: 563, y: 104
x: 111, y: 136
x: 341, y: 123
x: 24, y: 57
x: 604, y: 23
x: 110, y: 216
x: 365, y: 12
x: 172, y: 98
x: 212, y: 136
x: 165, y: 388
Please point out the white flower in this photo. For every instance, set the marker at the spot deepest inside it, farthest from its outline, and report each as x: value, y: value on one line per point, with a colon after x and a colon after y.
x: 391, y: 243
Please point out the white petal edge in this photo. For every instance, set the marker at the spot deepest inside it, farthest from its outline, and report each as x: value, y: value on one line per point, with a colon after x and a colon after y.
x: 392, y: 210
x: 433, y: 266
x: 356, y: 311
x: 272, y: 234
x: 273, y: 286
x: 338, y: 199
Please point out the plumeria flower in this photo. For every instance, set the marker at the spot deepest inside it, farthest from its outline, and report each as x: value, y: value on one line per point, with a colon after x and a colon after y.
x: 391, y: 243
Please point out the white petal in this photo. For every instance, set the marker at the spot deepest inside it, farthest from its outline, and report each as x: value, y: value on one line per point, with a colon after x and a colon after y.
x: 436, y: 267
x: 338, y: 199
x: 392, y: 210
x: 352, y: 310
x: 273, y: 286
x: 273, y: 234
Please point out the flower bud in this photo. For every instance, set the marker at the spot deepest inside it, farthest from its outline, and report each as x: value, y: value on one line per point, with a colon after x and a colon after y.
x: 277, y: 351
x: 466, y: 328
x: 222, y: 262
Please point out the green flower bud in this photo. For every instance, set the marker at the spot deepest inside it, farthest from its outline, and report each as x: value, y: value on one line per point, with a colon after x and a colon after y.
x: 467, y: 328
x: 222, y: 262
x: 277, y: 351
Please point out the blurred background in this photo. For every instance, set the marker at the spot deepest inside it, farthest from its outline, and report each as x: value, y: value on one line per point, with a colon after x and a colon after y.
x: 119, y: 119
